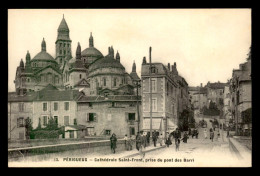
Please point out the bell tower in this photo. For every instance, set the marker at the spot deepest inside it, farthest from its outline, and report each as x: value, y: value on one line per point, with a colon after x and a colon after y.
x: 63, y: 42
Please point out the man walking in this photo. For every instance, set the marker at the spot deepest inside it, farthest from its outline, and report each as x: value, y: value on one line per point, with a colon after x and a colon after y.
x: 143, y: 144
x: 138, y: 141
x: 160, y: 139
x: 113, y: 140
x: 154, y: 138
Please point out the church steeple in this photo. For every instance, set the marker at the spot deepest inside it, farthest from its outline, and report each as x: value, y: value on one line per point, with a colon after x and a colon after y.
x: 134, y: 67
x: 43, y: 45
x: 78, y: 52
x: 117, y: 57
x: 63, y: 43
x: 91, y: 40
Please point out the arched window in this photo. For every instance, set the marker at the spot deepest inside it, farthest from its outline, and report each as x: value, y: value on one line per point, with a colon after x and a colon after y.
x: 105, y: 82
x: 79, y: 76
x: 114, y: 81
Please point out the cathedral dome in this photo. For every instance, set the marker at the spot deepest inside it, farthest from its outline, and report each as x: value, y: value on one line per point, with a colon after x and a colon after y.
x: 43, y: 56
x: 91, y: 52
x: 106, y: 62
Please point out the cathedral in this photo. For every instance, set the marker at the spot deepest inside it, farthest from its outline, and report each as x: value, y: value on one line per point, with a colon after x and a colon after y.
x: 90, y: 71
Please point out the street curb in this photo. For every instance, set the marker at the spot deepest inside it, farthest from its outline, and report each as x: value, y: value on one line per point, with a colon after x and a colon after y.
x: 132, y: 155
x: 239, y: 150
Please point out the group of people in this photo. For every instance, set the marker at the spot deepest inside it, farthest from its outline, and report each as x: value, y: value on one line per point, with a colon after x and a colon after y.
x: 193, y: 133
x: 143, y: 140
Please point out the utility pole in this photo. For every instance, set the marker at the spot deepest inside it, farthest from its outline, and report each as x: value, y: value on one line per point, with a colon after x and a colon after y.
x: 137, y: 104
x: 150, y: 60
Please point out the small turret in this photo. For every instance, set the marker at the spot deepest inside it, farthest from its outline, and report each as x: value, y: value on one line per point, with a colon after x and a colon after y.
x: 28, y: 58
x: 91, y: 40
x: 21, y: 63
x: 43, y: 45
x: 134, y: 67
x: 78, y: 51
x: 117, y: 57
x: 112, y: 52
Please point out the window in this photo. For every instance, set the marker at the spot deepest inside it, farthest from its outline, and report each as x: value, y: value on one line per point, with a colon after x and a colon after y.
x: 154, y: 87
x: 64, y: 45
x: 104, y: 82
x: 154, y: 104
x: 20, y: 122
x: 60, y: 60
x: 66, y: 120
x: 21, y: 107
x: 55, y: 106
x: 60, y: 52
x: 153, y: 69
x: 44, y: 106
x: 107, y: 132
x: 131, y: 116
x: 115, y: 82
x: 90, y: 131
x: 75, y: 122
x: 113, y: 104
x: 45, y: 120
x: 60, y: 44
x: 91, y: 117
x: 64, y: 52
x: 90, y: 104
x: 66, y: 106
x: 132, y: 131
x: 79, y: 76
x: 56, y: 119
x: 45, y: 78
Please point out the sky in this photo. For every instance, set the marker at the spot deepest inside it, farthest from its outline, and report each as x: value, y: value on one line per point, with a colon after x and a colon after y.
x: 206, y: 44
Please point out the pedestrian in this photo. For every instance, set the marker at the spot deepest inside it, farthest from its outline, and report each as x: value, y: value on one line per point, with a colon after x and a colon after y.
x: 205, y: 133
x: 154, y: 138
x: 143, y: 145
x: 211, y: 134
x: 196, y: 133
x: 126, y: 143
x: 185, y: 137
x: 189, y: 131
x: 168, y: 139
x: 113, y: 141
x: 160, y: 139
x: 138, y: 141
x: 193, y: 133
x: 228, y: 132
x: 132, y: 141
x: 177, y: 134
x: 148, y: 138
x: 177, y: 143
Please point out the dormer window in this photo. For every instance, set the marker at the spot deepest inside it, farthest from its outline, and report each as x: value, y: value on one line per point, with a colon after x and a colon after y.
x: 153, y: 69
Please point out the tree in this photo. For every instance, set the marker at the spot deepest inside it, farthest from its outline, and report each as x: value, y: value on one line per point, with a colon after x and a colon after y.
x: 28, y: 127
x: 52, y: 125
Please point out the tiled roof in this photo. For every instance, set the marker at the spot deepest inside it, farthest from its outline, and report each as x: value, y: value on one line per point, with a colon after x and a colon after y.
x: 105, y: 62
x: 13, y: 97
x: 57, y: 95
x: 217, y: 85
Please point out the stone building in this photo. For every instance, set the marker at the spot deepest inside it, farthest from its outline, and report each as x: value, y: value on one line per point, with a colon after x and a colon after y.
x: 215, y: 93
x: 169, y: 96
x: 241, y: 94
x: 198, y: 97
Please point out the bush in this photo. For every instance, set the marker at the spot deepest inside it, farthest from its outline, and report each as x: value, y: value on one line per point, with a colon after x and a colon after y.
x: 44, y: 134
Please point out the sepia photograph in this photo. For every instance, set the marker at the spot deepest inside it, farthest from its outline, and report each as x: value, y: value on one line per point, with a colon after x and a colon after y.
x: 129, y: 87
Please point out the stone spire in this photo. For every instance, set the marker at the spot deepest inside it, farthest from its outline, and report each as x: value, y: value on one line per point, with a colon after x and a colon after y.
x: 144, y: 60
x: 28, y: 58
x: 109, y: 51
x: 91, y: 40
x: 43, y: 45
x: 134, y: 67
x: 78, y: 51
x: 21, y: 63
x: 63, y: 30
x: 117, y: 57
x: 112, y: 52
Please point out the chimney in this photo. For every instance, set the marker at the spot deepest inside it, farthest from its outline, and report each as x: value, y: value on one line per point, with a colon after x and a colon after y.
x: 169, y: 67
x: 150, y: 55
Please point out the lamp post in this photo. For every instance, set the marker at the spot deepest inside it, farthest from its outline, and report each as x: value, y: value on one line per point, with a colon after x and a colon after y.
x: 150, y: 75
